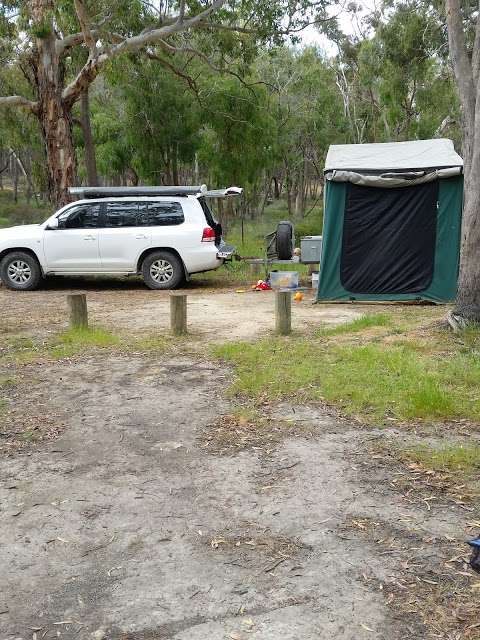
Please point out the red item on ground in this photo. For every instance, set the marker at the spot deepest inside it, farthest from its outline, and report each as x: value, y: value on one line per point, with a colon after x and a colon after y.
x: 262, y: 286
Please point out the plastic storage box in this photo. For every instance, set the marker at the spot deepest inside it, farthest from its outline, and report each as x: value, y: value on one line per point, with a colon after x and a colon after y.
x: 284, y: 279
x: 311, y: 247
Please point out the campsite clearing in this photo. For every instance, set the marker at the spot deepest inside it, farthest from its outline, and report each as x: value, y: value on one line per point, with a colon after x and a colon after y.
x: 144, y: 499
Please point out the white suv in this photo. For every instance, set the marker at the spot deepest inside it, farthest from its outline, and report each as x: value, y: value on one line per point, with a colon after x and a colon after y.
x: 163, y: 233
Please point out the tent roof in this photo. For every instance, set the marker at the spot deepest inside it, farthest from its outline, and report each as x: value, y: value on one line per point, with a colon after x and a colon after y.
x: 392, y: 156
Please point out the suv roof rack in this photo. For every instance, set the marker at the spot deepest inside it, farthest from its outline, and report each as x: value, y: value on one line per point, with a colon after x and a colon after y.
x: 118, y: 192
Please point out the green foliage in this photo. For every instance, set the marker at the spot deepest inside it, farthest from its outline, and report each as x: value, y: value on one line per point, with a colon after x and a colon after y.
x: 398, y: 83
x: 225, y: 107
x: 237, y: 138
x: 146, y: 124
x: 311, y: 226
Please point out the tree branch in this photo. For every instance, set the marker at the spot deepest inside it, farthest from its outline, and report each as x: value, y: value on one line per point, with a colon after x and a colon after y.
x: 181, y: 13
x: 188, y: 79
x: 154, y: 35
x: 206, y: 59
x: 226, y: 27
x: 84, y: 21
x: 93, y: 65
x: 74, y: 39
x: 18, y: 101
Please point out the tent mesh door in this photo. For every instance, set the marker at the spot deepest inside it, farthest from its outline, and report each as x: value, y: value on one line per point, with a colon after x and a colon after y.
x: 389, y: 238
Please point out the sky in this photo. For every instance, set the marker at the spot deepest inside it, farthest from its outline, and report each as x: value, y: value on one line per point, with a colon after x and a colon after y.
x: 311, y: 36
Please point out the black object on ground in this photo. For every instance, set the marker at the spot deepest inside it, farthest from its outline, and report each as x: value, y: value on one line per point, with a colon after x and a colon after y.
x: 475, y: 557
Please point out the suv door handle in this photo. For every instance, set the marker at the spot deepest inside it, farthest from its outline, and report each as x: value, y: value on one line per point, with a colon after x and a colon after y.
x: 89, y: 237
x: 141, y: 236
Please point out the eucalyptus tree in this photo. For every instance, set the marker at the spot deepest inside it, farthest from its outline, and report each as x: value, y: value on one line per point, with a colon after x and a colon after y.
x: 307, y: 108
x: 238, y: 138
x: 42, y: 35
x: 396, y: 83
x: 463, y: 22
x: 146, y: 124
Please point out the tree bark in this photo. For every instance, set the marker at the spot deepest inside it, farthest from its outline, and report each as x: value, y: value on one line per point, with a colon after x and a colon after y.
x: 466, y: 71
x: 276, y: 188
x: 175, y: 165
x: 89, y: 146
x: 53, y: 113
x: 15, y: 180
x: 56, y: 123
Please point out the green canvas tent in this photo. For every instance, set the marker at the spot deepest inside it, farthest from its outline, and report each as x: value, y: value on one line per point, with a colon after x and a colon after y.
x: 392, y: 221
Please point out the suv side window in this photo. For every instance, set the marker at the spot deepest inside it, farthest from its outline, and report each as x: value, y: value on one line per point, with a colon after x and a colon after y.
x: 121, y: 214
x: 160, y: 214
x: 85, y: 216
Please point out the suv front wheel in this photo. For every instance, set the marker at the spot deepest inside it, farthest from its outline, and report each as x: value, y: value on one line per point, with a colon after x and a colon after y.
x: 163, y: 270
x: 20, y: 271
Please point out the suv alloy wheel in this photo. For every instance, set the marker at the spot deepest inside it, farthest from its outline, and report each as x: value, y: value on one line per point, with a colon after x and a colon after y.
x: 20, y: 271
x: 163, y: 270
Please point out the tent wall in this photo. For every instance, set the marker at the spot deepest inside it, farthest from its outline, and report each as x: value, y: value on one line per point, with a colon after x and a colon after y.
x: 443, y: 285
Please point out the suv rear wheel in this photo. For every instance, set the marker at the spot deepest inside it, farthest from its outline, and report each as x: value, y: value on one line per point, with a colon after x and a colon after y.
x: 163, y: 270
x: 20, y: 271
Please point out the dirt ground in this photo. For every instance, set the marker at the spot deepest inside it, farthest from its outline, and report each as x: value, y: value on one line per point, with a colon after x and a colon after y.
x: 142, y: 521
x: 126, y: 304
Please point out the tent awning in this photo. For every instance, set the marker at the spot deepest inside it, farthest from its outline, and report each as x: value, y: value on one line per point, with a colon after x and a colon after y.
x: 393, y: 156
x: 393, y: 179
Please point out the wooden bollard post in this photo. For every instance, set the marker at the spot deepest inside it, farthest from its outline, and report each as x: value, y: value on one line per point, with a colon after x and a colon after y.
x: 178, y: 313
x: 256, y: 270
x: 77, y: 303
x: 283, y: 312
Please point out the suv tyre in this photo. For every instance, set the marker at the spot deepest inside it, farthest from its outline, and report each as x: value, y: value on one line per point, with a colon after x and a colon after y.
x: 163, y: 270
x: 285, y: 240
x: 20, y: 271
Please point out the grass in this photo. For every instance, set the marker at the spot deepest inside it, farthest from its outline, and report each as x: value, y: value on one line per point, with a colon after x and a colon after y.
x: 451, y: 457
x: 357, y: 325
x: 370, y: 378
x: 254, y: 231
x: 23, y: 350
x: 5, y: 381
x: 77, y: 340
x: 151, y: 343
x: 21, y: 212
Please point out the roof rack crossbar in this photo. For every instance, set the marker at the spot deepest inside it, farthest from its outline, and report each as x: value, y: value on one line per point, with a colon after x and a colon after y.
x: 109, y: 192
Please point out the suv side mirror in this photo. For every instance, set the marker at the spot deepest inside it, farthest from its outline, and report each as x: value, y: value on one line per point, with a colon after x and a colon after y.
x: 53, y: 224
